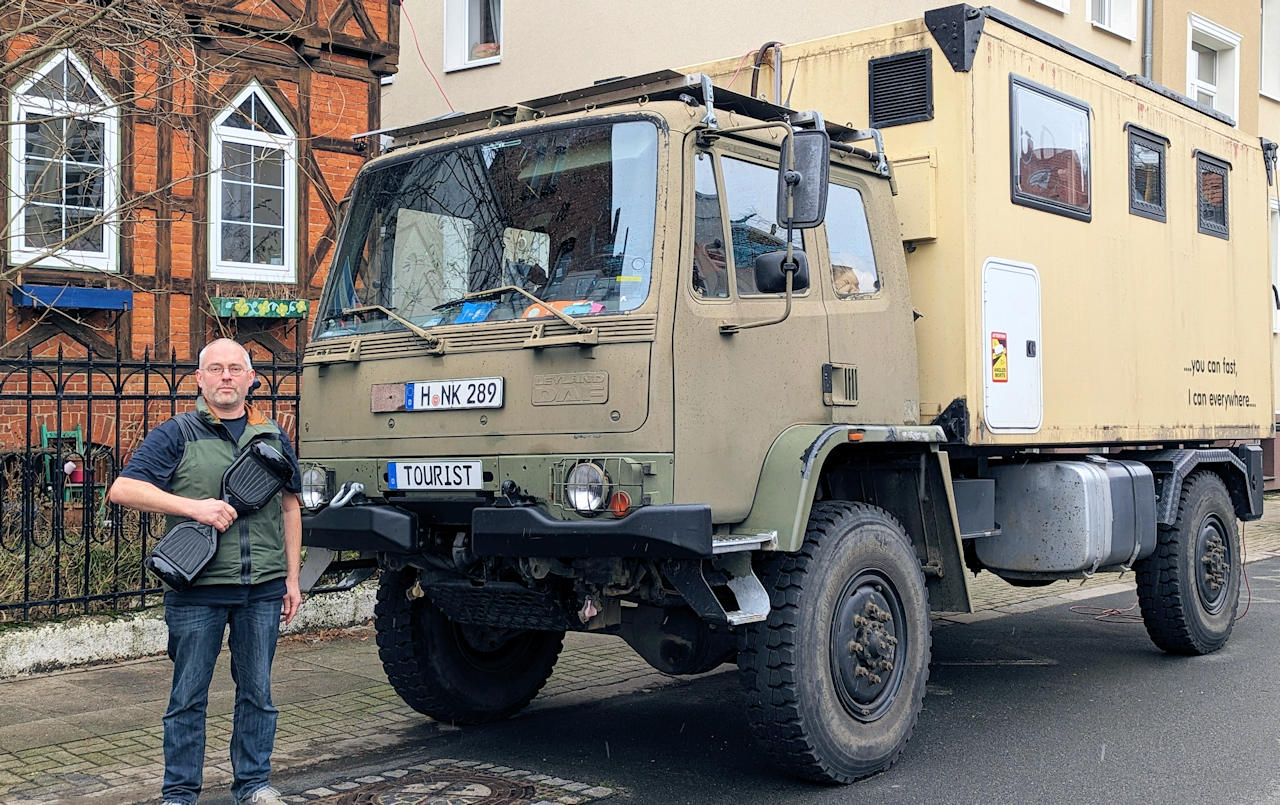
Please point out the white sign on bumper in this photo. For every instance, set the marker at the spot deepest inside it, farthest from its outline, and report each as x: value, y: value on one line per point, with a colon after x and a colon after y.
x: 402, y: 475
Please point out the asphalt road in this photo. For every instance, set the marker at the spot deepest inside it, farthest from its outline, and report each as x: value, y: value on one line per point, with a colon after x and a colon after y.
x: 1051, y: 706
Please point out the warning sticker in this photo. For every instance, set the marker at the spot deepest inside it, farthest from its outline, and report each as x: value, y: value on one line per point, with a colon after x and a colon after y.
x: 999, y: 358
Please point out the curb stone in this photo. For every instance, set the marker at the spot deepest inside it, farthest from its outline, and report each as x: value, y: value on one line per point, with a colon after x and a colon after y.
x: 26, y: 650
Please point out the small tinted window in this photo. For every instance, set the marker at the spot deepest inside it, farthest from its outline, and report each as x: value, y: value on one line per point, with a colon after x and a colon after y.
x: 751, y: 193
x: 1211, y: 195
x: 853, y: 264
x: 1050, y: 150
x: 710, y: 276
x: 1147, y: 174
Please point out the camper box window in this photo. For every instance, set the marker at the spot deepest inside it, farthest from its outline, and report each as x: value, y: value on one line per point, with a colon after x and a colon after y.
x: 1146, y: 173
x: 1211, y: 195
x: 1050, y: 149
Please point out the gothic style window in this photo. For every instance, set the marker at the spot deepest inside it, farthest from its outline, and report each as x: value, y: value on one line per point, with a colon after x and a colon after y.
x: 63, y: 169
x: 253, y: 192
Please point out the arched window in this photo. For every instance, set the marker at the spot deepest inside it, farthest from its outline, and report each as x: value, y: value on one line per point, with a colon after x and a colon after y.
x: 64, y: 167
x: 253, y: 192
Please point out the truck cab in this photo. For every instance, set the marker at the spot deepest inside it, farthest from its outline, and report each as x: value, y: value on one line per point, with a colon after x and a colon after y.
x: 564, y: 353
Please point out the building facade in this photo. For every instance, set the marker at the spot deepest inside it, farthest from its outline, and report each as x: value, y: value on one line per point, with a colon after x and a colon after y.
x: 473, y: 54
x: 174, y: 171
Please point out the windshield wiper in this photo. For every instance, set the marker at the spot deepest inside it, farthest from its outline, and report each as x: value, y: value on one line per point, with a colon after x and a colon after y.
x: 433, y: 342
x: 583, y: 335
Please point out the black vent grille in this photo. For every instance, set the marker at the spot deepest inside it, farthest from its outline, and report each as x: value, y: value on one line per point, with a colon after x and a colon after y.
x: 901, y: 88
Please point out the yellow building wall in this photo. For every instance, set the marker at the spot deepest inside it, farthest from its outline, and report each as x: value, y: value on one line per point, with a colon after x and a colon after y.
x: 556, y: 45
x: 1171, y: 26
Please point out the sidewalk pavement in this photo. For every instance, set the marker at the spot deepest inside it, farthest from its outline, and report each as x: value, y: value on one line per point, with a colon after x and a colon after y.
x: 93, y: 735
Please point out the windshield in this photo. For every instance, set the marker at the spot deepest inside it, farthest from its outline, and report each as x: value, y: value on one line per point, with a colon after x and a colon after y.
x: 567, y: 214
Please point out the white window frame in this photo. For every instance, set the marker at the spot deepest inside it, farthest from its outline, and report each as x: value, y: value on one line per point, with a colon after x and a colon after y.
x: 457, y: 36
x: 220, y: 135
x: 1269, y: 64
x: 20, y: 108
x: 1121, y: 18
x: 1057, y: 5
x: 1227, y: 45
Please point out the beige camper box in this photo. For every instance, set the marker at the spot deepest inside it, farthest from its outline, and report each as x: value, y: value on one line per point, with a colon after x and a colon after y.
x: 1088, y: 255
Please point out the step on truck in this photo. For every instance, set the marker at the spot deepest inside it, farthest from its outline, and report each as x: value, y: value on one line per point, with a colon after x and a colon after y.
x: 744, y: 384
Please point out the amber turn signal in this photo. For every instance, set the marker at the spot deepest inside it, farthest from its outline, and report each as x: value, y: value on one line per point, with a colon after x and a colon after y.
x: 620, y: 503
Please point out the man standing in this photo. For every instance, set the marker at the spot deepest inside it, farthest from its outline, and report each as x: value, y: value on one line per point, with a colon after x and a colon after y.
x: 251, y: 584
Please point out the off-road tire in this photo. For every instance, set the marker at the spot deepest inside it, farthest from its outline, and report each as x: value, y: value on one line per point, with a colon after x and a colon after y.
x: 1190, y: 587
x: 432, y: 666
x: 795, y: 666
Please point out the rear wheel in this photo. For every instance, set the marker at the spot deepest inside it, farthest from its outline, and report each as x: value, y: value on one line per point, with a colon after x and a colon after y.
x: 836, y: 675
x: 1190, y: 586
x: 457, y: 673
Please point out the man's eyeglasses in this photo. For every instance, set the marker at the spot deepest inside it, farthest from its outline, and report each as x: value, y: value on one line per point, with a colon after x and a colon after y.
x: 217, y: 369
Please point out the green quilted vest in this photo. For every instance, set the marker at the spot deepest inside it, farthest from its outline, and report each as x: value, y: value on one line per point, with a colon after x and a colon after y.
x: 252, y: 549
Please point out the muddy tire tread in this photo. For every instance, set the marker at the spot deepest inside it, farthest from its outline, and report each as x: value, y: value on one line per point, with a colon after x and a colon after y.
x: 1159, y: 578
x: 766, y: 667
x: 409, y: 669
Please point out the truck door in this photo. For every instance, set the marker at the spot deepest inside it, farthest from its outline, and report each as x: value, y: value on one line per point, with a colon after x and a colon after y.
x: 1013, y: 400
x: 873, y: 376
x: 735, y: 393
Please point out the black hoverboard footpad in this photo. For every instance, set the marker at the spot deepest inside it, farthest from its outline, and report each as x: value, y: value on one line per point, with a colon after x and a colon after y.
x: 253, y: 479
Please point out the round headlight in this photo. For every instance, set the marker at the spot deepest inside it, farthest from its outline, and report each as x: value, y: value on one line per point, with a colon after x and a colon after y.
x: 315, y: 487
x: 587, y: 488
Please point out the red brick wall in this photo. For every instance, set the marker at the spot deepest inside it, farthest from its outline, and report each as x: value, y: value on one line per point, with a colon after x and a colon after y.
x: 164, y: 256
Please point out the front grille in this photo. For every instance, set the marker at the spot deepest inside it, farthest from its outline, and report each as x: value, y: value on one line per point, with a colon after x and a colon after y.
x: 901, y: 89
x: 494, y: 335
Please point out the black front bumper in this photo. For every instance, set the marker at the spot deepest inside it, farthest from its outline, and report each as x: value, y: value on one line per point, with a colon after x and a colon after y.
x: 661, y: 532
x: 386, y: 529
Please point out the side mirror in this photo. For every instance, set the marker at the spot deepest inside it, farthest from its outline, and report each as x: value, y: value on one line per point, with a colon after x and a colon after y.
x: 805, y: 182
x: 770, y: 278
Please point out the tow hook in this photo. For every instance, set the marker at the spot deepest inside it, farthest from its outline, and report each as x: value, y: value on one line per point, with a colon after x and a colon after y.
x: 345, y: 493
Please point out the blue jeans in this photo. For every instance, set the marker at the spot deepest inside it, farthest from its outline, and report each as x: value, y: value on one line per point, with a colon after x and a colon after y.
x: 195, y: 640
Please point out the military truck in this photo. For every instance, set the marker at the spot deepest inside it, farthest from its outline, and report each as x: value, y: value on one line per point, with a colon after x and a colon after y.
x: 662, y: 360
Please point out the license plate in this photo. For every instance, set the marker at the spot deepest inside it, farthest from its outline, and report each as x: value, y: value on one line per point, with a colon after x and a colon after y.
x: 450, y: 395
x: 435, y: 475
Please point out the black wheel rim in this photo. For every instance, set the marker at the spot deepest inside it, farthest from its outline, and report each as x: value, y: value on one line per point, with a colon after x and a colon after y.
x: 868, y: 642
x: 1214, y: 563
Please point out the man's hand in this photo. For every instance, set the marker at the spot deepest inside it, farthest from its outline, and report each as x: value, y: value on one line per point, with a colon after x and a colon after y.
x: 211, y: 511
x: 292, y: 600
x: 147, y: 497
x: 292, y: 510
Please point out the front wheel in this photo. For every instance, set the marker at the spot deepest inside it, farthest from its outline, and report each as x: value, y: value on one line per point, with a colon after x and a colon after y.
x: 835, y: 677
x: 453, y: 672
x: 1190, y: 586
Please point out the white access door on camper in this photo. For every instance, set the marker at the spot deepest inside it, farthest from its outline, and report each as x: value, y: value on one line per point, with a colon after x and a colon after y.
x: 1013, y: 399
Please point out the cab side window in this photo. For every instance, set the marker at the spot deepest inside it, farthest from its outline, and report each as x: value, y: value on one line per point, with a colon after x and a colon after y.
x: 752, y: 194
x: 853, y: 263
x: 710, y: 275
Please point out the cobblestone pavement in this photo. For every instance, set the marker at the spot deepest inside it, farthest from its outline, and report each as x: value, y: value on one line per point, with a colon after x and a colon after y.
x: 93, y: 735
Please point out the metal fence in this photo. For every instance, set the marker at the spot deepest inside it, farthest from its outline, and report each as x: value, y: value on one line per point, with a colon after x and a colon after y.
x: 67, y: 426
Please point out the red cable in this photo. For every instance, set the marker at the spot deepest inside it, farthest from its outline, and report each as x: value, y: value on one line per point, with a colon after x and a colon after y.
x: 741, y: 62
x: 404, y: 12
